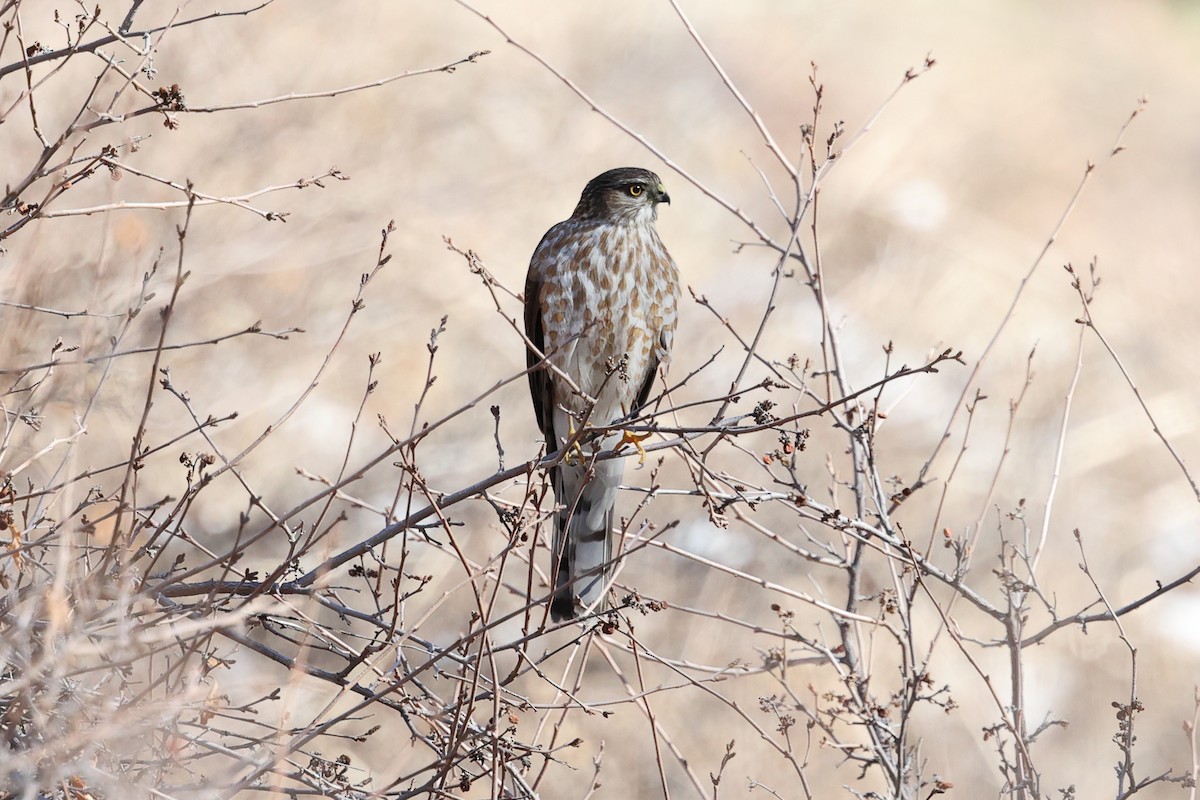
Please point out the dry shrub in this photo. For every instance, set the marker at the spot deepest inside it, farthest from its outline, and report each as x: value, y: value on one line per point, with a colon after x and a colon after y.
x: 821, y: 583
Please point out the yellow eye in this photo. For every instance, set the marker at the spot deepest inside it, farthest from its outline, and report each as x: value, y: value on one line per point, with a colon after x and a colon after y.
x: 636, y: 189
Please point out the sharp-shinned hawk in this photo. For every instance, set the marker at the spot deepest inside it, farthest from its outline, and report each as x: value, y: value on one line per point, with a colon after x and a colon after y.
x: 601, y: 300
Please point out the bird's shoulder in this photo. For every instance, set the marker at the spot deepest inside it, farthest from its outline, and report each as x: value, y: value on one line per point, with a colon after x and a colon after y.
x: 560, y: 247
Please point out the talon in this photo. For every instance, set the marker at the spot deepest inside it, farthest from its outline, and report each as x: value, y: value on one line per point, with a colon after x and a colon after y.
x: 636, y: 440
x: 575, y: 448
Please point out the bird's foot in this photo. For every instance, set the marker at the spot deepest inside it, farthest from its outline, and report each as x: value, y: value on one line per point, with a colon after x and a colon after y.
x: 635, y: 439
x: 575, y: 451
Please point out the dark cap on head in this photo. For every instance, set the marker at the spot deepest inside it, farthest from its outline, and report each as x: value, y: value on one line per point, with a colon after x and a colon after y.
x: 620, y: 192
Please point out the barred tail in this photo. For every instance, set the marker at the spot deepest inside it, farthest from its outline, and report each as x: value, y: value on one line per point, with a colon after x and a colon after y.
x: 582, y: 555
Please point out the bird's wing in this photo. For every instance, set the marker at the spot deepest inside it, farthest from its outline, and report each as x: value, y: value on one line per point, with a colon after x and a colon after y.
x: 647, y: 384
x: 541, y: 387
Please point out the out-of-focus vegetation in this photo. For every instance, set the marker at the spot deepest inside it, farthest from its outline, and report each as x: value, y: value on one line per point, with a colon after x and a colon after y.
x: 271, y: 512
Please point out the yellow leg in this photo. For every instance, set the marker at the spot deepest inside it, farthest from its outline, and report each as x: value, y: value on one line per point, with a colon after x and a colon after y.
x: 636, y: 440
x: 576, y: 450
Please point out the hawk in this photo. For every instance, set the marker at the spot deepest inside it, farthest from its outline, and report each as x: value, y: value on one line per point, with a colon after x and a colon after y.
x: 601, y: 302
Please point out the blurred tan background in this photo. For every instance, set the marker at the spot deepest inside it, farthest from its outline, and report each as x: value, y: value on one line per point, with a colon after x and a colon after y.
x: 926, y: 229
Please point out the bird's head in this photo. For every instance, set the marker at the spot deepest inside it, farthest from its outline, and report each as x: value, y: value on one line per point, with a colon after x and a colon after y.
x: 625, y: 194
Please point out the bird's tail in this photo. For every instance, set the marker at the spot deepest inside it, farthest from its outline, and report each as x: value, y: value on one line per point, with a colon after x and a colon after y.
x: 582, y: 535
